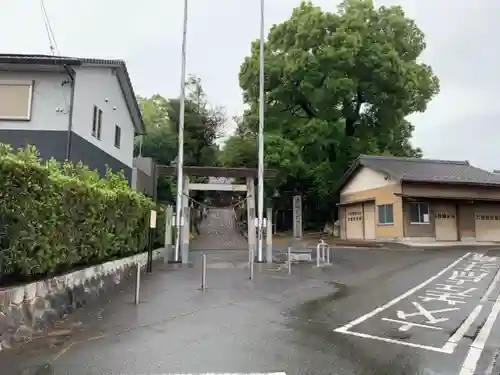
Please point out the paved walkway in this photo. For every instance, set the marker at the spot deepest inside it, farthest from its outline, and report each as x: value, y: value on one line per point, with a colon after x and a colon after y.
x: 219, y: 232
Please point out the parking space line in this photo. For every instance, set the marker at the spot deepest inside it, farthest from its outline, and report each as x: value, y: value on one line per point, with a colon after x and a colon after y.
x: 453, y: 341
x: 379, y: 309
x: 491, y: 288
x: 391, y: 341
x: 470, y: 363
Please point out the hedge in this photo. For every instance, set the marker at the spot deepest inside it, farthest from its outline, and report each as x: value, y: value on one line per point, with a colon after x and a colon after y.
x: 59, y: 217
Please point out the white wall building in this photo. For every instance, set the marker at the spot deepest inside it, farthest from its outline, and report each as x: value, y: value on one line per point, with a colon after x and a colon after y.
x: 75, y: 109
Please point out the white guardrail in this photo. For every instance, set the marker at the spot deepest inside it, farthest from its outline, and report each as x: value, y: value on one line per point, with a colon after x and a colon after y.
x: 323, y: 254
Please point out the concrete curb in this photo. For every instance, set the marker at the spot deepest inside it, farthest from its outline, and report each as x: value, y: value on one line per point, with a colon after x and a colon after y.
x: 414, y: 249
x: 398, y: 250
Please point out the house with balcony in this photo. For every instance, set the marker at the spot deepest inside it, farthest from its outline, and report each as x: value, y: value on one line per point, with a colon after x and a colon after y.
x: 76, y: 109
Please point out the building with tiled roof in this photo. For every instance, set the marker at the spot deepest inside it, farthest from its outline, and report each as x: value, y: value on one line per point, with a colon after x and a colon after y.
x: 393, y: 198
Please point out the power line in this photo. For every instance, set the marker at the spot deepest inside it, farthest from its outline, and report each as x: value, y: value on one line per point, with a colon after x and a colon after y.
x: 54, y: 48
x: 56, y: 53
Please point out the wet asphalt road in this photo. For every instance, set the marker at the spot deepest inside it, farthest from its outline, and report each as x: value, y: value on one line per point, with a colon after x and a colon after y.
x: 292, y: 323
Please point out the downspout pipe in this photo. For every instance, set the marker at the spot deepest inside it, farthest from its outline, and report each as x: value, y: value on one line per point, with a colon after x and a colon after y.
x: 71, y: 75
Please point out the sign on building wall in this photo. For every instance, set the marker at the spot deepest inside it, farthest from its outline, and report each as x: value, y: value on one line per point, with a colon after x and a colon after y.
x: 297, y: 216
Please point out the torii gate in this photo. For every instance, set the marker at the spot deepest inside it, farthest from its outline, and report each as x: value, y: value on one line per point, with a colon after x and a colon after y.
x: 248, y: 173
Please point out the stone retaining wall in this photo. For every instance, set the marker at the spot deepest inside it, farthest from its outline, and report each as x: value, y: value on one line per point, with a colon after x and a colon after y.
x: 30, y: 309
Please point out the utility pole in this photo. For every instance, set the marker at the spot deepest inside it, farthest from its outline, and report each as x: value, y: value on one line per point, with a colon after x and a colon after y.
x: 180, y: 153
x: 260, y: 228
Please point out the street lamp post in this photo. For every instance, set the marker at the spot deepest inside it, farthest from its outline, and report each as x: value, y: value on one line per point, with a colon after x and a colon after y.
x: 180, y: 154
x: 260, y: 203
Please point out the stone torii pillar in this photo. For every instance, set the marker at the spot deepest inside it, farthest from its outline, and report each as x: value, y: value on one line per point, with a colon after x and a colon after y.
x: 269, y: 235
x: 185, y: 230
x: 169, y: 216
x: 252, y: 233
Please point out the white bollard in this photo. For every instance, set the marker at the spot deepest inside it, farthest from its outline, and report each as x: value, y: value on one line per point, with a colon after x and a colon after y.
x: 203, y: 271
x: 251, y: 262
x: 137, y: 282
x: 289, y: 260
x: 318, y: 254
x: 323, y: 252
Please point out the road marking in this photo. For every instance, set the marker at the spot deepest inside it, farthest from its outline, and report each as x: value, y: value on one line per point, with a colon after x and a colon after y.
x: 409, y: 324
x: 391, y: 341
x: 379, y: 309
x: 491, y: 288
x: 453, y: 341
x: 470, y: 363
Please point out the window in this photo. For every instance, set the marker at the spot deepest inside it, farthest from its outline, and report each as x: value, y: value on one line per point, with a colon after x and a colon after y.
x: 385, y: 214
x: 97, y: 123
x: 15, y: 100
x: 118, y: 136
x: 419, y: 213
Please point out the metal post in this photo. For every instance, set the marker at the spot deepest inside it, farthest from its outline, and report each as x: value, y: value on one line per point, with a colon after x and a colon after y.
x: 328, y: 255
x: 71, y: 74
x: 318, y: 251
x: 151, y: 235
x: 260, y: 228
x: 251, y: 264
x: 149, y: 265
x: 203, y: 271
x: 289, y: 260
x: 137, y: 282
x: 180, y: 154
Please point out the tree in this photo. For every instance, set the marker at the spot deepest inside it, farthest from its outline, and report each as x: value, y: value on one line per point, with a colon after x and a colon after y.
x: 160, y: 141
x: 203, y: 126
x: 337, y: 85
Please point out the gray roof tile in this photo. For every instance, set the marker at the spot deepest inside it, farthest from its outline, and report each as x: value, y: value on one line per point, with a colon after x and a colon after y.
x: 429, y: 170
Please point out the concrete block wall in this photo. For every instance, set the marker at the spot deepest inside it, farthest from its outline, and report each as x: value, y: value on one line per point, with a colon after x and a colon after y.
x: 29, y: 310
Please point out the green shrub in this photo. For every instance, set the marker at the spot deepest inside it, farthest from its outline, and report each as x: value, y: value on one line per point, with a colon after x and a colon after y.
x: 62, y: 216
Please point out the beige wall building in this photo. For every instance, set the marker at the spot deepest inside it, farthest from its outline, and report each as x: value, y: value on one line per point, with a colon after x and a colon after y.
x: 390, y: 198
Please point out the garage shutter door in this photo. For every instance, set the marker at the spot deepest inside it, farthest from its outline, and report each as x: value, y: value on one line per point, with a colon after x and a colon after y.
x: 488, y: 224
x: 354, y: 222
x: 369, y: 217
x: 445, y: 219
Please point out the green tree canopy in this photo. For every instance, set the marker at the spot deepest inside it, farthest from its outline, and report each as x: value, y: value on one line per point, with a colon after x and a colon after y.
x: 337, y: 85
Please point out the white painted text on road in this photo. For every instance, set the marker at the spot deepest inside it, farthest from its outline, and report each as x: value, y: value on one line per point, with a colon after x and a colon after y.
x: 435, y: 305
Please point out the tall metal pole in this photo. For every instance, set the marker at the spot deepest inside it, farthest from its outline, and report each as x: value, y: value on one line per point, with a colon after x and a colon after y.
x: 180, y: 154
x: 260, y: 203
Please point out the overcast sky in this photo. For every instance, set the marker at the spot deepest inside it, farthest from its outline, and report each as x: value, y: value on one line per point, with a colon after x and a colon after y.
x: 461, y: 123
